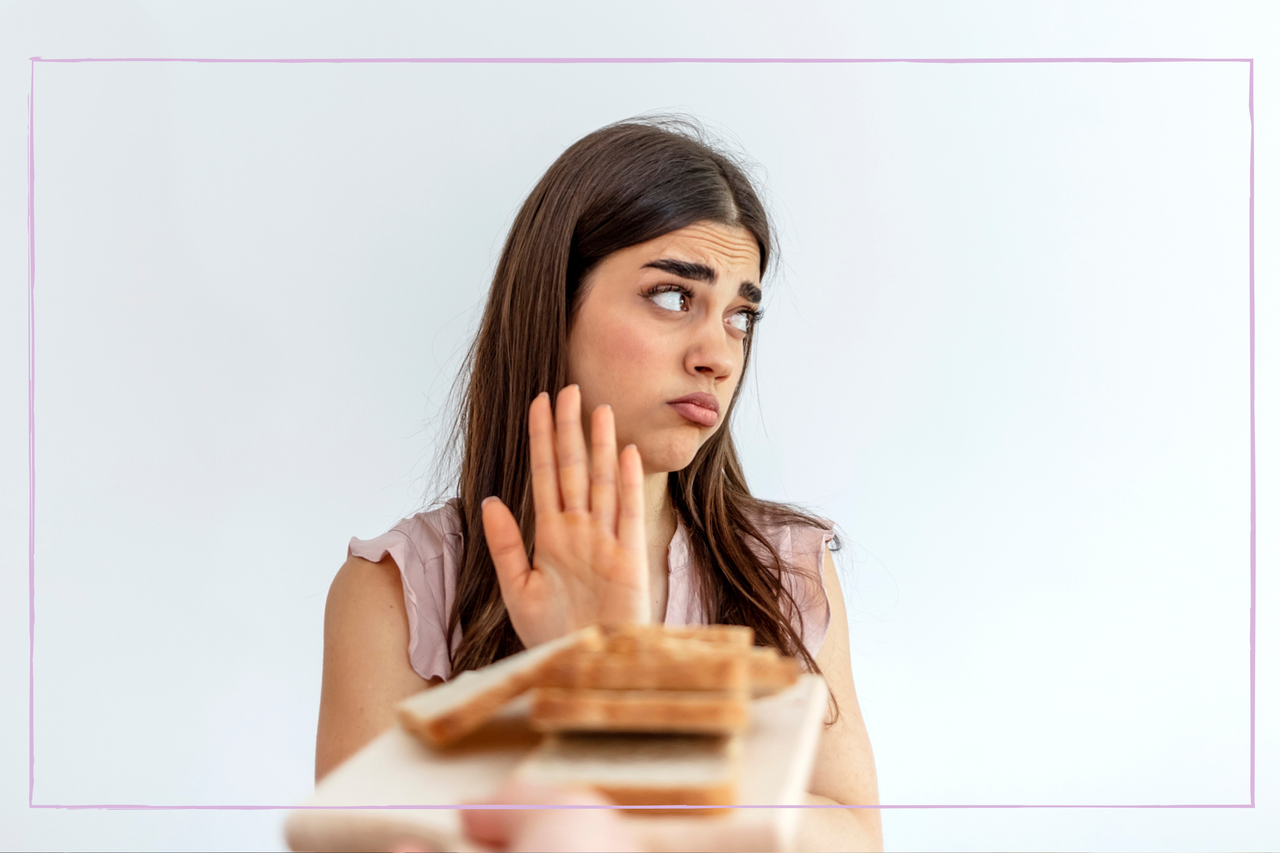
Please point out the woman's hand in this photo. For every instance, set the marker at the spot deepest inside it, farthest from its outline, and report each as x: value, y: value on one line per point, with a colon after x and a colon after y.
x: 597, y: 829
x: 590, y: 562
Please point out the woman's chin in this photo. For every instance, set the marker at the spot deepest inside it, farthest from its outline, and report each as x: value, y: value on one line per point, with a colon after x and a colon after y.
x: 675, y: 456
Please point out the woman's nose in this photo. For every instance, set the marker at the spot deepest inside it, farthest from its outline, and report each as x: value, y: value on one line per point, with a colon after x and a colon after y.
x: 710, y: 352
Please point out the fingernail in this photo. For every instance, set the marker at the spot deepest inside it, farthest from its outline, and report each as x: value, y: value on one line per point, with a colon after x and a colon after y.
x: 485, y: 502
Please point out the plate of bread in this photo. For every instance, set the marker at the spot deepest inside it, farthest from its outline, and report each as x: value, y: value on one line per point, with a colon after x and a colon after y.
x: 696, y: 733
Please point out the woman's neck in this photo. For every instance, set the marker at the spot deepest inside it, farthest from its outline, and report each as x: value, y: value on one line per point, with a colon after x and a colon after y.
x: 659, y: 514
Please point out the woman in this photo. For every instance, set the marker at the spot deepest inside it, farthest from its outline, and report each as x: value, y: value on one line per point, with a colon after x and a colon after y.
x: 630, y: 287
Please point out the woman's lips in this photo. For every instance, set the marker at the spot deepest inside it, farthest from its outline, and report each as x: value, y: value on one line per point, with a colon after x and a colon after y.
x: 698, y: 414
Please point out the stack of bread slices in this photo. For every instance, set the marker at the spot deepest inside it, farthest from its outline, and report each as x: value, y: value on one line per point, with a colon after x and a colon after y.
x: 646, y: 714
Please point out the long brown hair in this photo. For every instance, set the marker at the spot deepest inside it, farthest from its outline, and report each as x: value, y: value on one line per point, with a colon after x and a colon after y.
x: 621, y: 185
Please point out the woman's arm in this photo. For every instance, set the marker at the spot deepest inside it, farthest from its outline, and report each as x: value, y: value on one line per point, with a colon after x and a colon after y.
x: 844, y: 770
x: 366, y: 660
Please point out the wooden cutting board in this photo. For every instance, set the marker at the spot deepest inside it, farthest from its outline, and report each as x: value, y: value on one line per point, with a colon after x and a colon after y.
x: 398, y: 770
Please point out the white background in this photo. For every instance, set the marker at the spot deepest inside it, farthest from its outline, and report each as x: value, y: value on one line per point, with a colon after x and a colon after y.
x: 1007, y: 351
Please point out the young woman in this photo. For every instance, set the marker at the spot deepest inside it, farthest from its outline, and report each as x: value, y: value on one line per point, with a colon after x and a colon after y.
x: 629, y: 287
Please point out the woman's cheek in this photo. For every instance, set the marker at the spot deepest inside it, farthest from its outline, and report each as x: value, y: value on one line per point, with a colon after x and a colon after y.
x: 627, y: 345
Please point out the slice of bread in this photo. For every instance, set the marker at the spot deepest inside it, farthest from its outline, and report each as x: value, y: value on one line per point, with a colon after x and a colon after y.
x: 636, y: 637
x: 643, y: 678
x: 691, y: 657
x: 642, y: 770
x: 687, y: 666
x: 557, y: 709
x: 446, y: 712
x: 770, y: 672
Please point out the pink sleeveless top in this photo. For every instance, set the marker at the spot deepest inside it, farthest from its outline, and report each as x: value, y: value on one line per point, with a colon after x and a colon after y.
x: 426, y: 547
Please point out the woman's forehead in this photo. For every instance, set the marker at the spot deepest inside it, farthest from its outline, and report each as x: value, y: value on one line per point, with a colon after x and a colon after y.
x: 724, y: 246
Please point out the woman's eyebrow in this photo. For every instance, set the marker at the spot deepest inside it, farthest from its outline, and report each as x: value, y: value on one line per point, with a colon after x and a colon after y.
x: 700, y: 272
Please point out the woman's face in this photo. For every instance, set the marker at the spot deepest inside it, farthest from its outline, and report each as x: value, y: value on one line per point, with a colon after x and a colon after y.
x: 662, y: 320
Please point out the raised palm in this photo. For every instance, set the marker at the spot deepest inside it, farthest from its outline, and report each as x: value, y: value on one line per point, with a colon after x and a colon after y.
x: 590, y: 563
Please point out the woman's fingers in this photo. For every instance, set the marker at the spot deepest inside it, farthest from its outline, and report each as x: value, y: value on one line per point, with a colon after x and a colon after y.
x: 599, y: 829
x: 631, y: 535
x: 604, y: 471
x: 502, y: 534
x: 571, y: 450
x: 542, y: 457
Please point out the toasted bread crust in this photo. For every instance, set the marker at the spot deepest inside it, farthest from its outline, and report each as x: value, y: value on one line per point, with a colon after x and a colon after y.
x: 710, y: 667
x: 454, y: 724
x: 639, y: 677
x: 621, y: 766
x: 449, y: 724
x: 558, y: 709
x: 641, y: 637
x: 770, y: 672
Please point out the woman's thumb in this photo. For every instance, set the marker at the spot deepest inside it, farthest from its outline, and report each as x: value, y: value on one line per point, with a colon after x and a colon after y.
x: 502, y: 534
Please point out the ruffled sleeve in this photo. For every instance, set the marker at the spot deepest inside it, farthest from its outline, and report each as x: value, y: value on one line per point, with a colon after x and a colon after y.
x: 426, y: 549
x: 804, y: 548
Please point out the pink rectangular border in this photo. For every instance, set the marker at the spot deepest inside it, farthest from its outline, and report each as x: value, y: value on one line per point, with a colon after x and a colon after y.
x: 31, y: 278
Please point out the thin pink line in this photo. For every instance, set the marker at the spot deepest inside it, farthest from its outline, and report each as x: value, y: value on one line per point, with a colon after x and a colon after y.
x: 647, y: 59
x: 1253, y: 480
x: 133, y: 807
x: 617, y: 60
x: 31, y: 435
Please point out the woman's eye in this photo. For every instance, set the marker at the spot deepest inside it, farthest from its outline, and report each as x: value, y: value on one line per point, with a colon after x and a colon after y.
x: 745, y: 321
x: 670, y: 299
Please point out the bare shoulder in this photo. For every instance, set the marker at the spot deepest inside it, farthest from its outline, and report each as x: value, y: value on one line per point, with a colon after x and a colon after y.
x: 366, y: 659
x: 833, y: 657
x: 365, y: 609
x: 360, y: 583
